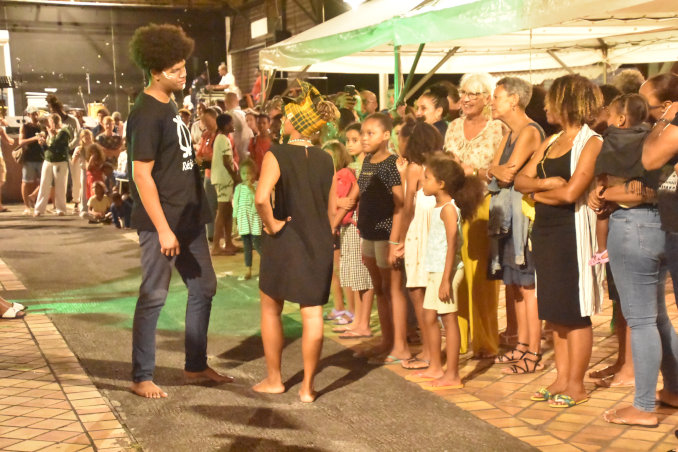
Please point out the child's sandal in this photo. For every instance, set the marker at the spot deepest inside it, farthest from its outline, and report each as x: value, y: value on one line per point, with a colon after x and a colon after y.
x: 334, y: 314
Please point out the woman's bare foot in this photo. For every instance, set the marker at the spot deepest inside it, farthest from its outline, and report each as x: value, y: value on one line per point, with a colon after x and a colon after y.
x: 307, y: 396
x: 269, y: 387
x: 606, y: 372
x: 630, y: 415
x: 431, y: 373
x: 618, y: 380
x: 207, y: 374
x: 667, y: 398
x: 446, y: 381
x: 148, y: 389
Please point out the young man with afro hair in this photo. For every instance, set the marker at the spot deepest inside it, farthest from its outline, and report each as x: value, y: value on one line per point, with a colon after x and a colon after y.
x: 170, y: 210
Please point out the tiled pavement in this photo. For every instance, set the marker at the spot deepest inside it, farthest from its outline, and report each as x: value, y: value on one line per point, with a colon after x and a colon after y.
x: 9, y: 281
x: 504, y: 400
x: 47, y: 401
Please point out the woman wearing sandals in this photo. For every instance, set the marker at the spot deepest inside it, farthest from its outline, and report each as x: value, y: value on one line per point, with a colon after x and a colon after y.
x: 296, y: 262
x: 558, y: 178
x: 508, y: 226
x: 11, y: 311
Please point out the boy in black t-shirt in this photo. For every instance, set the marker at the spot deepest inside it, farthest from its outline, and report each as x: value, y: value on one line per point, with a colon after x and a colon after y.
x: 169, y: 209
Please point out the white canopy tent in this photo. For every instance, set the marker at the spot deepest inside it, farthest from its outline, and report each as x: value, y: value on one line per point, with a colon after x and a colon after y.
x: 496, y: 36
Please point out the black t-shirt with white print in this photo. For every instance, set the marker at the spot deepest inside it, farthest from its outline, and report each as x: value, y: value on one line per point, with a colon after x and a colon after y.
x: 155, y: 132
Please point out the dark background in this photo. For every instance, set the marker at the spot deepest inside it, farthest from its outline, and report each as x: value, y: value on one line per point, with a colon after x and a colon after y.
x: 57, y: 45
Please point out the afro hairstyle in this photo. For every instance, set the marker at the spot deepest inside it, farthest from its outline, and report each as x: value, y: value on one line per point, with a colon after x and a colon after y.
x: 158, y: 47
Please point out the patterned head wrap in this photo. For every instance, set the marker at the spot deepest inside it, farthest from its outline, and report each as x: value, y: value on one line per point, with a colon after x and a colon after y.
x: 303, y: 113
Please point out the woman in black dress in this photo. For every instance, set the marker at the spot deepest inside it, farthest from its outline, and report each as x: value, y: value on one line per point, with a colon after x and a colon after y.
x: 558, y: 178
x: 296, y: 262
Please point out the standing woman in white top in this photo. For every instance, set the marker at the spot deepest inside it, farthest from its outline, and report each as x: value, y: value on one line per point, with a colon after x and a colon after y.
x: 417, y: 141
x: 473, y: 139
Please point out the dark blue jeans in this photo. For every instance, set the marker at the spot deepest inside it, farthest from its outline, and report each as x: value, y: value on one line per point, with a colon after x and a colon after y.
x: 195, y: 267
x: 250, y: 241
x: 211, y: 196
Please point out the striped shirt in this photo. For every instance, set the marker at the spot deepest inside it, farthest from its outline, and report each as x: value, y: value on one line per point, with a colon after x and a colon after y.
x: 244, y: 210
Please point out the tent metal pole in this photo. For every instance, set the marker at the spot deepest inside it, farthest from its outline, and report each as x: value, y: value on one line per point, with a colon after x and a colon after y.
x: 604, y: 48
x: 560, y: 62
x: 396, y: 74
x: 269, y: 76
x: 426, y: 78
x: 410, y: 76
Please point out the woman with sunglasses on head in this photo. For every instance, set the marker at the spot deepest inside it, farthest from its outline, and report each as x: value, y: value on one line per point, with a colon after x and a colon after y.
x: 474, y: 139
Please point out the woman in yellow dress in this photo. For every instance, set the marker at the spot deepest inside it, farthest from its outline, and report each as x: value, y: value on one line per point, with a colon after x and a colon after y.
x: 474, y: 139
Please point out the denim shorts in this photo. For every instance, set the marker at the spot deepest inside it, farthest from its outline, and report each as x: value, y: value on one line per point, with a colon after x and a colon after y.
x: 30, y: 171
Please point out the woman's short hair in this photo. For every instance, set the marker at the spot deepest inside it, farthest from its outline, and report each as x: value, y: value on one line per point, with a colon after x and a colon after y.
x: 575, y: 99
x: 629, y: 81
x: 479, y: 82
x: 517, y: 86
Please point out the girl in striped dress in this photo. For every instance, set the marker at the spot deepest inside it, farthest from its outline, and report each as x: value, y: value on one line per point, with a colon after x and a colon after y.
x: 245, y: 214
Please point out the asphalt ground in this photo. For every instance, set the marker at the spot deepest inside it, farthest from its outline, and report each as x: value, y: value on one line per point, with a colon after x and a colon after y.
x: 86, y: 278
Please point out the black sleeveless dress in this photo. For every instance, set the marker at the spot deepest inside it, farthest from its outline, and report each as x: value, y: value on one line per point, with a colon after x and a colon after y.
x: 296, y: 263
x: 554, y: 248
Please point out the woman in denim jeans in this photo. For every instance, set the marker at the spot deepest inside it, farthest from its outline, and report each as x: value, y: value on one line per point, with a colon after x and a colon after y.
x: 637, y: 256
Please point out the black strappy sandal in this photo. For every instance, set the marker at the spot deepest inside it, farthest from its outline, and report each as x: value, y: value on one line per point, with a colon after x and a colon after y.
x: 529, y: 365
x: 509, y: 357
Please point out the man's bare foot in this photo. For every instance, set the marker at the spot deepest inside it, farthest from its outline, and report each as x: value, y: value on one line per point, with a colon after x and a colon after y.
x: 307, y: 396
x: 606, y: 372
x: 631, y: 416
x: 207, y: 374
x: 148, y: 389
x: 667, y: 397
x: 268, y: 387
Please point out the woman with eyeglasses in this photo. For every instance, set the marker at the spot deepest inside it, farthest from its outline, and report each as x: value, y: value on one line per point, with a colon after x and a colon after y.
x: 474, y: 139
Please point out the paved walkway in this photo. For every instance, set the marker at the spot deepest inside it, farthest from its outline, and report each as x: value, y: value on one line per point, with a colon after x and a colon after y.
x: 48, y: 402
x: 504, y: 400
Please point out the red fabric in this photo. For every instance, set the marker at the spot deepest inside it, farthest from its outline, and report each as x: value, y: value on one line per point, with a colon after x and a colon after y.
x: 258, y: 147
x: 93, y: 176
x: 206, y: 149
x: 345, y: 178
